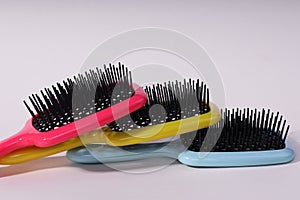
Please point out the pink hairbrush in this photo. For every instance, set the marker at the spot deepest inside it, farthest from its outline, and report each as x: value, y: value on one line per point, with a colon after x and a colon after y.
x: 67, y: 111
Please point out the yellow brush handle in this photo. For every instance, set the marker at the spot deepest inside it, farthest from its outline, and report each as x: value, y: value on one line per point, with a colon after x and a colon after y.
x: 31, y: 153
x: 105, y: 135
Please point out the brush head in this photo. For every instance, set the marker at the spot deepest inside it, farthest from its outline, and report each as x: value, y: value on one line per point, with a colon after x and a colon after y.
x: 79, y: 97
x: 240, y: 130
x: 167, y: 102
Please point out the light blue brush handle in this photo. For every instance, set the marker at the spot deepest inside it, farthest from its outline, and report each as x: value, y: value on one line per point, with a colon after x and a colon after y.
x: 103, y: 154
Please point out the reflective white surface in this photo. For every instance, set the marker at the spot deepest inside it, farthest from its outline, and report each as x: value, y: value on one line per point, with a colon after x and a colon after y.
x: 255, y: 46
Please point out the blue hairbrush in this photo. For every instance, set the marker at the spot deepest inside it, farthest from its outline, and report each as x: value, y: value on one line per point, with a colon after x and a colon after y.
x: 242, y: 138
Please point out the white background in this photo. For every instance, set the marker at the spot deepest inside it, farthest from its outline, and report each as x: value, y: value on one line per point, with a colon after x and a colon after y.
x: 255, y: 45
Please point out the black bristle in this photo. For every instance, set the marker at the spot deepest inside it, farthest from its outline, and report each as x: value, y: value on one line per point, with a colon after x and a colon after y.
x: 167, y: 102
x: 248, y: 130
x: 29, y: 109
x: 79, y: 97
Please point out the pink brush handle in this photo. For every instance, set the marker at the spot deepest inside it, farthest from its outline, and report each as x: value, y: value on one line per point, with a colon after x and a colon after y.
x: 29, y: 136
x: 17, y: 141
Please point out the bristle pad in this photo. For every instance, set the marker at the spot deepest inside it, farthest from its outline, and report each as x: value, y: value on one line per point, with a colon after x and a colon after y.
x: 167, y: 102
x: 240, y: 130
x: 79, y: 97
